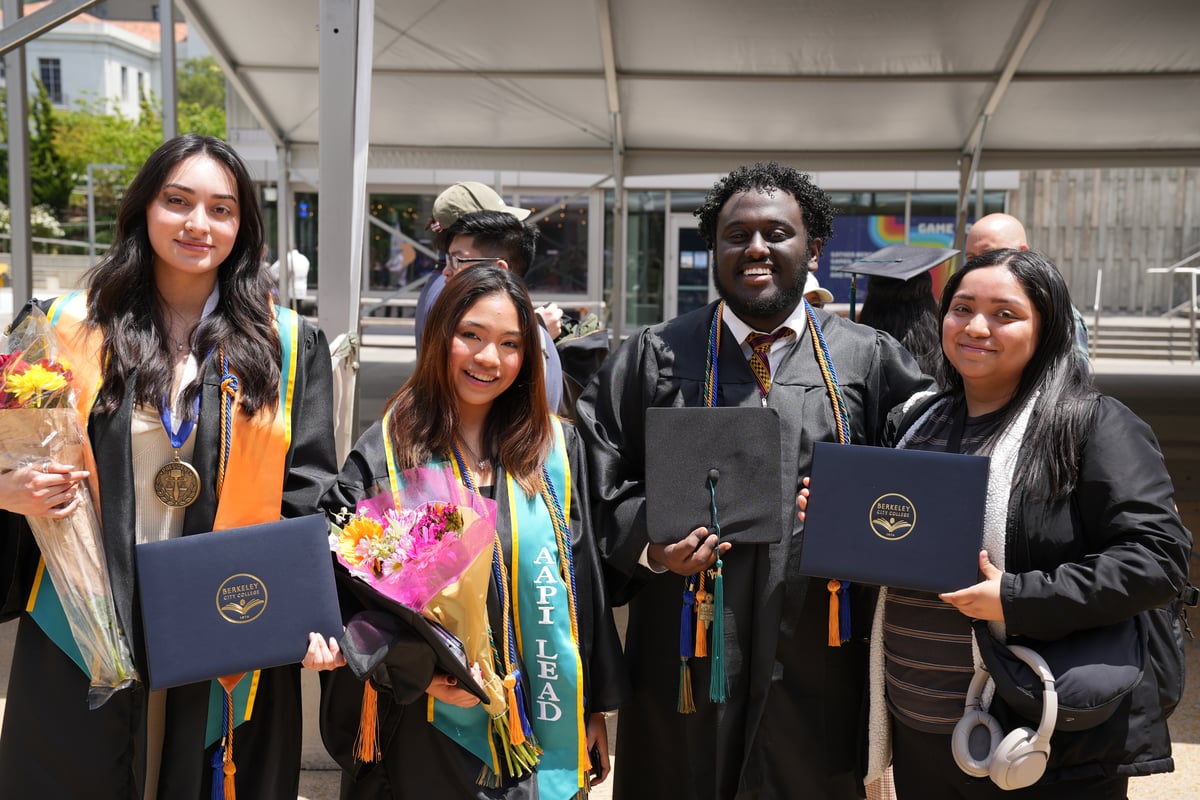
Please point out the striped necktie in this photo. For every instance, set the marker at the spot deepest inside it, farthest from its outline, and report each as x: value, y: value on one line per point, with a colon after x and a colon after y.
x: 761, y: 344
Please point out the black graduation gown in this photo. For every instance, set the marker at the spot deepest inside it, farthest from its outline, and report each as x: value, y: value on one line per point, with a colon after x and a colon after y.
x: 418, y: 760
x: 791, y: 721
x: 52, y: 745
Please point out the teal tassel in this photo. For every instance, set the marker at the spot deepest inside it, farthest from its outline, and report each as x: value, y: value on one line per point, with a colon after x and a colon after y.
x: 717, y: 688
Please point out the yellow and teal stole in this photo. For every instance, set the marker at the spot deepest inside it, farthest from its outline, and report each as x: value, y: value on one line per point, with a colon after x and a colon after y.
x: 250, y: 475
x: 545, y: 623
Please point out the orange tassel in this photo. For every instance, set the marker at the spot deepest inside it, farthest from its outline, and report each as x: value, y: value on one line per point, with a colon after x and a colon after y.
x: 366, y: 746
x: 228, y: 767
x: 516, y: 731
x: 701, y: 629
x: 835, y: 633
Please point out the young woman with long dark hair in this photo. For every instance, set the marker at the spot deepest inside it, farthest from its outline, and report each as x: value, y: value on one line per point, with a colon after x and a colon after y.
x: 183, y: 361
x: 1080, y: 532
x: 477, y: 403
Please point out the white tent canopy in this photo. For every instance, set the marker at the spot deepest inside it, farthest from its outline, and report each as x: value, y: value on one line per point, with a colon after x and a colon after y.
x: 623, y: 88
x: 692, y: 86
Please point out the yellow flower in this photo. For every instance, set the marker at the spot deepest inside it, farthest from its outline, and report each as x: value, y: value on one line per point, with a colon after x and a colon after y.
x: 354, y: 531
x: 35, y: 382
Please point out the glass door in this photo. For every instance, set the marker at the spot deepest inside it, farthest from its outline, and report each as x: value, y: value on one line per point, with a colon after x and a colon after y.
x: 687, y: 285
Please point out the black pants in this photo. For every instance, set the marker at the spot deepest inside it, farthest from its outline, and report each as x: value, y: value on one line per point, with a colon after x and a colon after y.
x: 924, y: 769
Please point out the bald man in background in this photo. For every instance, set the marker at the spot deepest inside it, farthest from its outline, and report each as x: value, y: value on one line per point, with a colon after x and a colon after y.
x: 1002, y: 232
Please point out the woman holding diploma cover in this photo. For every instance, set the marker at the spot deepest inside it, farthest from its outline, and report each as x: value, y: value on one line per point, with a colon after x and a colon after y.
x: 1080, y: 532
x: 476, y: 403
x: 209, y: 409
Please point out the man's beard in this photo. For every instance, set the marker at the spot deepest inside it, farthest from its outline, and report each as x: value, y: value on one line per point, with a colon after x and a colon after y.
x: 783, y: 301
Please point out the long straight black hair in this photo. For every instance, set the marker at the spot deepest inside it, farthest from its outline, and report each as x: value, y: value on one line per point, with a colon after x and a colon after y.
x: 123, y: 301
x: 1065, y: 409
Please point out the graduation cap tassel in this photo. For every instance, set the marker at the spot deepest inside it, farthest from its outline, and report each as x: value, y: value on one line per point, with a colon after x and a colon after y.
x: 366, y: 745
x: 835, y: 633
x: 716, y: 689
x: 524, y: 716
x: 516, y: 725
x: 218, y: 777
x: 686, y: 703
x: 716, y: 685
x: 225, y: 776
x: 703, y: 618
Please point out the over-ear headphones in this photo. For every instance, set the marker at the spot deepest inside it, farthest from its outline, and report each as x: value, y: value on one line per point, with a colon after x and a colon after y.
x: 982, y: 749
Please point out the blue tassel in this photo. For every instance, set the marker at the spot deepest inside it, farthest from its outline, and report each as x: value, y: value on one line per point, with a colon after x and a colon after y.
x: 716, y: 687
x: 218, y: 762
x: 686, y: 637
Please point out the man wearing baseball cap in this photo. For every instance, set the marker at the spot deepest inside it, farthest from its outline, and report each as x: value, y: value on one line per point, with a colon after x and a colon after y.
x: 464, y: 197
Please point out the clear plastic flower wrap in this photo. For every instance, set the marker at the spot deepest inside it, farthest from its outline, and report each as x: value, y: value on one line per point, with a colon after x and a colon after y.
x: 39, y: 423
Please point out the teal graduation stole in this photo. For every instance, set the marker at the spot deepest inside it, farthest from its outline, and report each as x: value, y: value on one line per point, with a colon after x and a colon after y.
x: 547, y: 638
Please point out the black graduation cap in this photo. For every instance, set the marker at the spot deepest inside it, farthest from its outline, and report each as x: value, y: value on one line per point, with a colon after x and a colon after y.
x: 900, y: 261
x: 371, y: 636
x: 735, y: 449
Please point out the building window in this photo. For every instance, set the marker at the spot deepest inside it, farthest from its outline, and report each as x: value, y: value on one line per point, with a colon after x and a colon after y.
x: 50, y: 71
x: 124, y: 83
x: 141, y: 85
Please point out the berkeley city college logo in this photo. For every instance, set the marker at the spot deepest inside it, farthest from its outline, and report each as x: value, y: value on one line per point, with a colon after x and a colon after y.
x: 892, y: 517
x: 241, y: 598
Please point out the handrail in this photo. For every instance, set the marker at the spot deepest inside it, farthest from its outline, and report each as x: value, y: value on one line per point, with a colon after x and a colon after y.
x: 1174, y: 269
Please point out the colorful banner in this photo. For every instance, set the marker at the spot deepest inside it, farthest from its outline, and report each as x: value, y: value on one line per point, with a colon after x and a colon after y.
x: 857, y: 237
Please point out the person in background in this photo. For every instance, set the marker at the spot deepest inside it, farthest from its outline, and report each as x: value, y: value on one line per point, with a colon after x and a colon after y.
x: 790, y: 723
x: 465, y: 197
x: 173, y: 313
x: 297, y: 272
x: 908, y: 311
x: 476, y: 399
x: 816, y: 296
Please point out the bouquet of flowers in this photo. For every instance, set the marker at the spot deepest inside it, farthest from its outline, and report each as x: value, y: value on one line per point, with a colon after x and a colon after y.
x: 39, y: 423
x: 430, y: 550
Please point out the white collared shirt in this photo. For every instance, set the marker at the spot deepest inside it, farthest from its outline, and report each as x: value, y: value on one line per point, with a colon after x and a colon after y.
x: 796, y: 322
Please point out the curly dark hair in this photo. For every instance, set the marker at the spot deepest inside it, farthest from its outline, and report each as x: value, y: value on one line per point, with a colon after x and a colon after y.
x: 765, y: 176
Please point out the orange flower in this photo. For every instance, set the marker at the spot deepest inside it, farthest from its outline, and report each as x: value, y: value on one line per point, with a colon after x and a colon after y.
x: 355, y: 531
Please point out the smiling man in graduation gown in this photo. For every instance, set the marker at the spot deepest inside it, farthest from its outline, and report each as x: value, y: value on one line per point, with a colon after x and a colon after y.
x: 790, y: 724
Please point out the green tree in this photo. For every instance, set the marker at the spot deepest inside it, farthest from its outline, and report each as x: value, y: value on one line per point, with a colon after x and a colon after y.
x: 50, y: 175
x: 201, y: 81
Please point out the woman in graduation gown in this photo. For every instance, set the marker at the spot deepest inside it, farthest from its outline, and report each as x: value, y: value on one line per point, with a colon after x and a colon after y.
x: 176, y: 316
x: 476, y: 402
